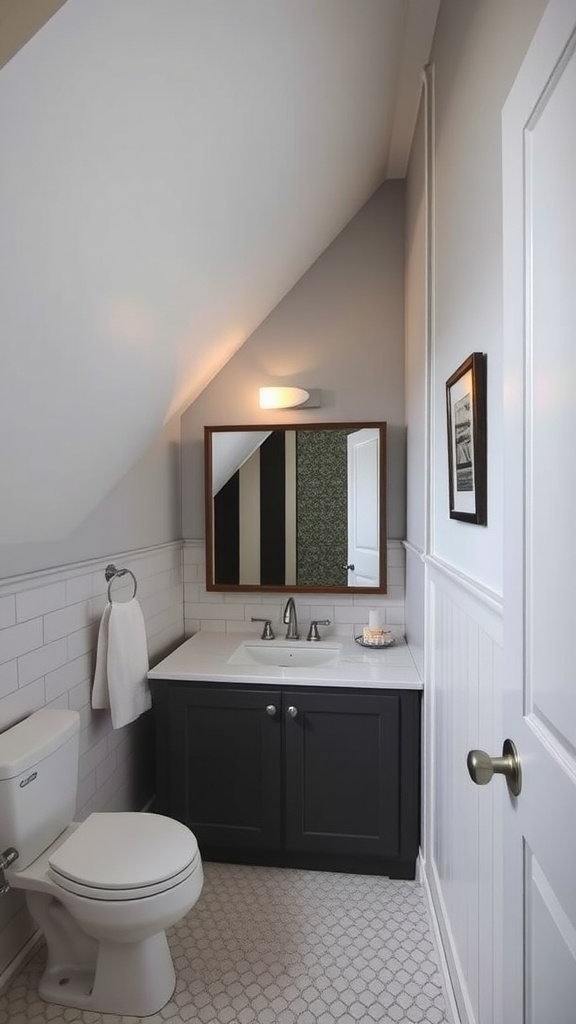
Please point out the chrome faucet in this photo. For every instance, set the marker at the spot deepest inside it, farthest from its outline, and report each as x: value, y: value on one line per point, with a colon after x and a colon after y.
x: 290, y: 620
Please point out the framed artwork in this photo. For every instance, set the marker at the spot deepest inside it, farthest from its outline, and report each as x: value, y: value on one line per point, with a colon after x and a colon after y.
x: 466, y: 414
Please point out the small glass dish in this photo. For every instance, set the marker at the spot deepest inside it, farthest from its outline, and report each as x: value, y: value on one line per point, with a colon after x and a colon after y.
x: 385, y: 642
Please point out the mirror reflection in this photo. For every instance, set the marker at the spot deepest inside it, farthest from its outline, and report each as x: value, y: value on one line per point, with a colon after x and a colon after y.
x: 296, y: 508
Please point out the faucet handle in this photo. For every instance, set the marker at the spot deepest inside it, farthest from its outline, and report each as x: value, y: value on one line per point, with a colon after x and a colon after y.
x: 313, y: 633
x: 267, y: 632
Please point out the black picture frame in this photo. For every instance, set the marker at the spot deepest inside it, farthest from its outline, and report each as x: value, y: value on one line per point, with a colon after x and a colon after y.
x: 466, y: 421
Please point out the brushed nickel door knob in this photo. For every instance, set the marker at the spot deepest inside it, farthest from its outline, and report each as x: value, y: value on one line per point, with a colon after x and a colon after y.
x: 482, y: 767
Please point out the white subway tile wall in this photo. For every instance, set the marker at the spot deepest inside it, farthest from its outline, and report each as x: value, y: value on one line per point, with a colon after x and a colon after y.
x: 48, y: 631
x: 231, y: 612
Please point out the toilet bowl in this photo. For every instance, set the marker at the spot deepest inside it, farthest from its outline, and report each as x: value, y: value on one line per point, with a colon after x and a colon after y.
x: 102, y: 891
x: 103, y: 894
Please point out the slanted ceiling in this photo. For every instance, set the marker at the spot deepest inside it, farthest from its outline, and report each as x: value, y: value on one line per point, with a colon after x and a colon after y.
x: 169, y: 169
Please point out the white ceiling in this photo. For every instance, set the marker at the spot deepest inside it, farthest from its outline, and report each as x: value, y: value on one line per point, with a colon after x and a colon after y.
x: 170, y: 169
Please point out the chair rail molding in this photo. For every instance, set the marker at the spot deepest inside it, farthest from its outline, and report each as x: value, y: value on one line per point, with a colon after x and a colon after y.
x: 474, y: 597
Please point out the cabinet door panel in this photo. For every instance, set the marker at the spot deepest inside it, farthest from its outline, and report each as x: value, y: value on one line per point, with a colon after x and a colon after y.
x: 342, y: 774
x: 226, y: 781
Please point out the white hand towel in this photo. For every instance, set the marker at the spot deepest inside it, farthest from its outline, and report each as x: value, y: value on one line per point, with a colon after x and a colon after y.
x: 120, y: 679
x: 100, y: 697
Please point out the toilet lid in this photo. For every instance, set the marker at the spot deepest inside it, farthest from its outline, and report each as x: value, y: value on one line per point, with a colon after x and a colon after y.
x: 125, y: 850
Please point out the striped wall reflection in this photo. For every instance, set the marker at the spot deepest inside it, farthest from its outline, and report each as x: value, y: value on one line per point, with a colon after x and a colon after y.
x: 250, y: 519
x: 281, y: 518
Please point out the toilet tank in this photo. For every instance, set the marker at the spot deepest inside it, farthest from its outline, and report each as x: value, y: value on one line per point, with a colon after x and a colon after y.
x: 38, y: 781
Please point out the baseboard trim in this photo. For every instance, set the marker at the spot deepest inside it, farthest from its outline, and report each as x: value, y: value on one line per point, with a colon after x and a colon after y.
x: 449, y: 995
x: 458, y: 1000
x: 19, y: 960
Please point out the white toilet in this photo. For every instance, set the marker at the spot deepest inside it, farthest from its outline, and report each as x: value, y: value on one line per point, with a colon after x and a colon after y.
x: 102, y: 891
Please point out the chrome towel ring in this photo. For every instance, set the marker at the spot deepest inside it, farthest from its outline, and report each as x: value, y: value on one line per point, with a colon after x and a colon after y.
x: 112, y: 573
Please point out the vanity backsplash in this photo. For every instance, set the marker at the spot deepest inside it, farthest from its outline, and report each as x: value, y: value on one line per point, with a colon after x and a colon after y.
x: 232, y: 612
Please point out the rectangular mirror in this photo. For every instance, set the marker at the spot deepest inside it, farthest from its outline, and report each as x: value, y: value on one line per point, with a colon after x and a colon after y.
x: 298, y: 508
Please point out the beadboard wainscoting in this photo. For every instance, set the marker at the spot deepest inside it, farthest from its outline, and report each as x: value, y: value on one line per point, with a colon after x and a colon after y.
x: 48, y: 631
x: 462, y: 841
x: 231, y: 612
x: 415, y: 611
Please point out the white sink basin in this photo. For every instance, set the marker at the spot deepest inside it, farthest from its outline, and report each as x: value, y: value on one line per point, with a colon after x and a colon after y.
x: 291, y: 654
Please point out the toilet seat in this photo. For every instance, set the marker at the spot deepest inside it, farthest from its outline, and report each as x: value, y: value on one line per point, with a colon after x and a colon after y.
x: 124, y: 856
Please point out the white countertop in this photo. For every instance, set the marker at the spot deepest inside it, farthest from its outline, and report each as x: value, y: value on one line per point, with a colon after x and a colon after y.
x: 205, y: 657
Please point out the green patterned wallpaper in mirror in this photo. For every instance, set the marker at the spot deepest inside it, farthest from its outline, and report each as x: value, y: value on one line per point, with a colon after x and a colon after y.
x: 321, y: 507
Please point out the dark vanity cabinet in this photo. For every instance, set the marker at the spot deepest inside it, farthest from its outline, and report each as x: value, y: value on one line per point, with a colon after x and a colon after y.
x: 308, y: 777
x: 220, y: 764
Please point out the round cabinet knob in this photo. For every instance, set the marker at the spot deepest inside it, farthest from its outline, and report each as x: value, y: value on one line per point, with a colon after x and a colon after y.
x: 271, y: 710
x: 292, y: 711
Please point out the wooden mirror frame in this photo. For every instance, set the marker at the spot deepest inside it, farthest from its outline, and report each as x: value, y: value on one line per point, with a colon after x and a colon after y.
x: 209, y: 431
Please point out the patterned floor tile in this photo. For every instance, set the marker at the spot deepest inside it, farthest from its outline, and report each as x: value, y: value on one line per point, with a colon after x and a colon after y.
x: 277, y: 946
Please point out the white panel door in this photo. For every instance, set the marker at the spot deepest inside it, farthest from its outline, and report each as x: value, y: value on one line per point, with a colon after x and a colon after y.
x: 363, y: 508
x: 539, y: 154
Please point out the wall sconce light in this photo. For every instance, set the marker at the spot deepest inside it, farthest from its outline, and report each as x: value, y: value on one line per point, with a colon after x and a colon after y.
x: 289, y: 398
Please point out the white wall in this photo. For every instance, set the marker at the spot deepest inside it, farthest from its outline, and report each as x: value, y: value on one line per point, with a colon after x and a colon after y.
x: 416, y: 337
x: 48, y: 631
x: 51, y: 598
x: 416, y: 387
x: 340, y: 329
x: 477, y: 50
x: 169, y: 169
x: 77, y: 381
x: 143, y: 508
